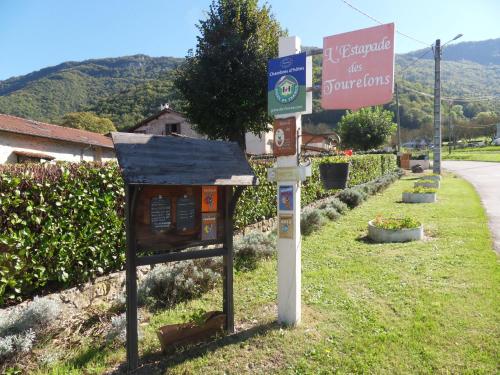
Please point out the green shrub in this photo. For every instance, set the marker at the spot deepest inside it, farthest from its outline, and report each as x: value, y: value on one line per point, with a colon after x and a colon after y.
x: 251, y: 248
x: 167, y: 284
x: 63, y: 224
x: 363, y: 168
x: 337, y: 205
x: 59, y: 225
x: 332, y: 213
x: 36, y: 316
x: 310, y: 221
x: 351, y: 197
x: 20, y: 326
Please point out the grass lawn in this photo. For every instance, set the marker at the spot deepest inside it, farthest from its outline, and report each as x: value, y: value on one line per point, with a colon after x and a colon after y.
x: 426, y: 307
x: 489, y: 153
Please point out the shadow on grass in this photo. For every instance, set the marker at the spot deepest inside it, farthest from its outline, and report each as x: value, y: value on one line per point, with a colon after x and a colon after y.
x: 83, y: 358
x: 365, y: 239
x: 158, y: 362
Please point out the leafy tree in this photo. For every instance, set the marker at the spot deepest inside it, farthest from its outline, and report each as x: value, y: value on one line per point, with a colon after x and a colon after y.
x: 224, y: 82
x: 366, y: 128
x: 486, y: 118
x: 88, y: 121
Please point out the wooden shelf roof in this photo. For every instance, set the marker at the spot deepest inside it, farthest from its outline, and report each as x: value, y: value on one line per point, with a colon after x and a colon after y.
x: 164, y: 160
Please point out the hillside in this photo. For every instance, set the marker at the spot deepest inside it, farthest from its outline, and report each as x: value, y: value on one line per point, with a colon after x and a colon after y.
x: 484, y: 52
x: 49, y: 93
x: 127, y: 89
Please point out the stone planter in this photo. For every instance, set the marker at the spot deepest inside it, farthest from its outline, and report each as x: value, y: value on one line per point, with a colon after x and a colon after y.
x: 433, y: 185
x: 173, y: 336
x: 419, y: 197
x: 433, y: 177
x: 394, y: 235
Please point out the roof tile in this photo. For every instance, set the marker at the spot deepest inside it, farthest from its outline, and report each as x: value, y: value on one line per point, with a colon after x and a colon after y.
x: 20, y: 125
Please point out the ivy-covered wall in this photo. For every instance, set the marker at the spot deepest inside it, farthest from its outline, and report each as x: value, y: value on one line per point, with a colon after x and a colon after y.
x: 63, y: 224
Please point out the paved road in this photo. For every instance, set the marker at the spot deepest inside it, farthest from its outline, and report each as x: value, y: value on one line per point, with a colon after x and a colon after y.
x: 485, y: 177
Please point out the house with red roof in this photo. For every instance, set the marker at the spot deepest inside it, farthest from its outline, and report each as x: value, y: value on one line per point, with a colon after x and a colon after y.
x: 24, y: 140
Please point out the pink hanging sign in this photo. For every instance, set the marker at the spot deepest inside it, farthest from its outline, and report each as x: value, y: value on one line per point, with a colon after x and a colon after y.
x: 358, y: 68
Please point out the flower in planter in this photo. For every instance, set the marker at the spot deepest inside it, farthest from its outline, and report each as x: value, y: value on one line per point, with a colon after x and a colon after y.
x: 391, y: 223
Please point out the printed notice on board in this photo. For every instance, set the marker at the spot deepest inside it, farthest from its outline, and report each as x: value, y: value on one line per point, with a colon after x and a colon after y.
x: 209, y: 199
x: 208, y: 226
x: 160, y: 214
x: 286, y: 197
x: 185, y: 213
x: 285, y: 225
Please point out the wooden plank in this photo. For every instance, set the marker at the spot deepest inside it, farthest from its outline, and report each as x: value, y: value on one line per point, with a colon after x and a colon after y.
x: 174, y: 257
x: 131, y: 280
x: 228, y: 261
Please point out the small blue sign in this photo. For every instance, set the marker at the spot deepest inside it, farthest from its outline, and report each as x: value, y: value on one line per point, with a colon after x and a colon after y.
x: 286, y: 84
x: 286, y: 198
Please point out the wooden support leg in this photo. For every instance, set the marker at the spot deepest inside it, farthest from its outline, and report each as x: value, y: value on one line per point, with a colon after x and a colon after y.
x: 228, y: 264
x: 131, y: 284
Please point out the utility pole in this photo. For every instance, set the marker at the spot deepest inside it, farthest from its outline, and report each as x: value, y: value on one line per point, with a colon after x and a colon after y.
x: 437, y: 108
x: 397, y: 117
x: 450, y: 127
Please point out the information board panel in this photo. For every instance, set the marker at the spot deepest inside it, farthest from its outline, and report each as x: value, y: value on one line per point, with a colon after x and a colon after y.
x: 286, y: 87
x: 171, y: 216
x: 285, y: 136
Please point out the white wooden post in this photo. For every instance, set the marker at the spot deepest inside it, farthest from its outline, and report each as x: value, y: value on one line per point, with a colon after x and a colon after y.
x: 289, y: 252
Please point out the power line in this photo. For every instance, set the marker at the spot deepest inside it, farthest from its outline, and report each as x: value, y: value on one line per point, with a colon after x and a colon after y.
x: 415, y: 61
x: 380, y: 23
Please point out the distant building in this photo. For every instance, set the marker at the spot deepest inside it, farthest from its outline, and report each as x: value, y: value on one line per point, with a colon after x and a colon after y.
x: 319, y: 143
x: 23, y: 140
x: 261, y: 144
x: 166, y: 122
x: 416, y: 143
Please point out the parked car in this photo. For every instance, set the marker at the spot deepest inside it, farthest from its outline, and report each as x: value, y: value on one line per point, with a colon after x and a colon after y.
x: 476, y: 144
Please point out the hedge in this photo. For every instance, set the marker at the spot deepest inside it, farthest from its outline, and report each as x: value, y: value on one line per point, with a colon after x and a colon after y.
x: 62, y: 224
x: 258, y: 203
x: 59, y: 225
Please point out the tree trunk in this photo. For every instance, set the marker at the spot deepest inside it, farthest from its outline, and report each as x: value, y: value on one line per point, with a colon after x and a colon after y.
x: 239, y: 138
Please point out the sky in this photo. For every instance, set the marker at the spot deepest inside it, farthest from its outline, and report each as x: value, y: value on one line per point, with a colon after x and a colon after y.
x: 38, y: 33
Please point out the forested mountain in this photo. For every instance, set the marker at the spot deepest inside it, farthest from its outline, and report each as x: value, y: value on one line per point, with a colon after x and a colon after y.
x: 49, y: 93
x: 483, y: 52
x: 128, y: 89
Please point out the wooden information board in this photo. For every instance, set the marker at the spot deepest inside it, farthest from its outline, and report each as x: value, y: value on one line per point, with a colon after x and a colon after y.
x: 168, y: 217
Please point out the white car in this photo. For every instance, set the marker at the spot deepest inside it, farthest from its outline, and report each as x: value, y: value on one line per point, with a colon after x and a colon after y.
x: 496, y: 142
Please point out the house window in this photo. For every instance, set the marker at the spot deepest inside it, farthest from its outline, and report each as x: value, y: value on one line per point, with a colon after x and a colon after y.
x: 172, y: 128
x: 27, y: 159
x: 31, y: 157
